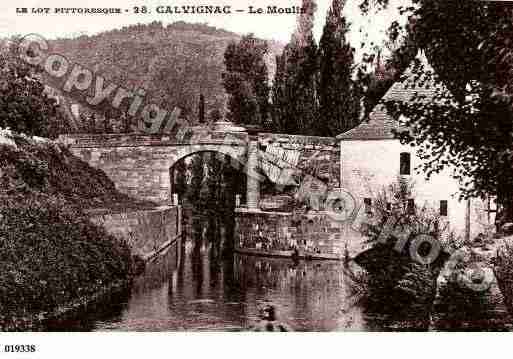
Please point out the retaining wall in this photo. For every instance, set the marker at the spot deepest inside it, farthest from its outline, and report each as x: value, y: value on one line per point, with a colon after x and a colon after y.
x: 147, y: 231
x: 277, y: 231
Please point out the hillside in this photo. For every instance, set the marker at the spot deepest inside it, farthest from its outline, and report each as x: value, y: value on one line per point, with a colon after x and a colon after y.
x: 173, y: 63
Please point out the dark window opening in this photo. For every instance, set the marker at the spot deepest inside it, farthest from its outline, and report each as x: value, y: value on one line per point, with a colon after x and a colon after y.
x: 405, y: 169
x: 389, y: 206
x: 368, y: 206
x: 444, y: 208
x: 411, y: 206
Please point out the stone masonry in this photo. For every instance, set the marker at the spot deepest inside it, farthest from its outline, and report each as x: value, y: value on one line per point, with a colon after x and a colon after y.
x: 145, y: 231
x: 139, y: 165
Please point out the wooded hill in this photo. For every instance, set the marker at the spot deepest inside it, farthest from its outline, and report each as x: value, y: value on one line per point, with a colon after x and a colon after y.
x: 174, y: 63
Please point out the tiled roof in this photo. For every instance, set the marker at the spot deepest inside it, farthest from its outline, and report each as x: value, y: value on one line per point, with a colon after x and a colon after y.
x: 380, y: 124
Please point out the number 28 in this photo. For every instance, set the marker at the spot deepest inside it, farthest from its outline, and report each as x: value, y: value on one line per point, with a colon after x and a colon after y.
x: 140, y: 10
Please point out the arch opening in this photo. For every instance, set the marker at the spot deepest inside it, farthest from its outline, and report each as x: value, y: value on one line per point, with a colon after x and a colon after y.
x: 209, y: 185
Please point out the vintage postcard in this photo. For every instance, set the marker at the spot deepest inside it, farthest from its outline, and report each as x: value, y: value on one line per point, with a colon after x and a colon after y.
x: 255, y: 166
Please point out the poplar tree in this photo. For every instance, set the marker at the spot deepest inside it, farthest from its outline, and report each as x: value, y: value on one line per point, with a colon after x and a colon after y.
x: 339, y: 95
x: 295, y: 104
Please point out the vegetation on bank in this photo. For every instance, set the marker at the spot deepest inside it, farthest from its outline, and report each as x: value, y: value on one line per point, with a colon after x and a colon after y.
x: 504, y: 273
x: 395, y: 282
x: 50, y: 253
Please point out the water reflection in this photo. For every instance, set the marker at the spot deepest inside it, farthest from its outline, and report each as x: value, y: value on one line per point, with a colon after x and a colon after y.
x: 195, y: 286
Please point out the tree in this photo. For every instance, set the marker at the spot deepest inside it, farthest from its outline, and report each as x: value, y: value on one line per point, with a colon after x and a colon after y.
x: 24, y: 105
x: 179, y: 179
x: 295, y: 103
x: 213, y: 182
x: 246, y: 81
x: 215, y: 115
x: 403, y: 50
x: 280, y: 112
x: 201, y: 109
x: 231, y: 184
x: 339, y: 95
x: 196, y: 181
x: 471, y: 124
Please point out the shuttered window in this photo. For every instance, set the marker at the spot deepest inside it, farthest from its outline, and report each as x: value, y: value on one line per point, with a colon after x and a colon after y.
x: 368, y: 205
x: 444, y: 208
x: 411, y: 206
x: 405, y: 169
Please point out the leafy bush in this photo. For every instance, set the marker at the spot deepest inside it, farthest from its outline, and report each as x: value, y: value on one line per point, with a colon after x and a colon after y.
x: 50, y: 252
x: 391, y: 203
x: 393, y: 273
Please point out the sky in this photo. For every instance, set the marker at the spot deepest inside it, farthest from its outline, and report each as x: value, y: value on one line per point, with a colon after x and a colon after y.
x: 369, y: 28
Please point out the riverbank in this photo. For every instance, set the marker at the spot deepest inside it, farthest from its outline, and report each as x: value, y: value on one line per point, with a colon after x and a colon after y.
x: 63, y: 313
x: 51, y: 254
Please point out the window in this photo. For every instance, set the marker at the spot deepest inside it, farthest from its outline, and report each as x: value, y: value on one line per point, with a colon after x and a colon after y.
x: 405, y: 168
x: 368, y: 206
x: 411, y: 206
x: 444, y: 208
x: 389, y: 206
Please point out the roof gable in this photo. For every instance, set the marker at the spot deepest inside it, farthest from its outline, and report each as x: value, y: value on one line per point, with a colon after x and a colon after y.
x: 380, y: 124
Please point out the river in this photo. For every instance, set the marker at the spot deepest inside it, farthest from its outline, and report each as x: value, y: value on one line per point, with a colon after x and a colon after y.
x: 192, y: 288
x: 204, y: 294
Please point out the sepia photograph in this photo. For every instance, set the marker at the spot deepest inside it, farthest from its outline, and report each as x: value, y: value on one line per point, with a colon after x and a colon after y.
x: 255, y: 166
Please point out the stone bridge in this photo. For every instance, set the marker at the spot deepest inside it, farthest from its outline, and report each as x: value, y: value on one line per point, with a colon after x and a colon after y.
x: 140, y: 165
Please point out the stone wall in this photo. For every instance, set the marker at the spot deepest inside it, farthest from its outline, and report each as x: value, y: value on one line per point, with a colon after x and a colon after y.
x: 139, y: 165
x: 144, y: 231
x: 277, y: 231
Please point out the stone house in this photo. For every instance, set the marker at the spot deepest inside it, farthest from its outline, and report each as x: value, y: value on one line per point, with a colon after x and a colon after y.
x: 371, y: 158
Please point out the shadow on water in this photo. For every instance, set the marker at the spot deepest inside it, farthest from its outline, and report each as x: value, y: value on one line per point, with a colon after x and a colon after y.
x: 110, y: 308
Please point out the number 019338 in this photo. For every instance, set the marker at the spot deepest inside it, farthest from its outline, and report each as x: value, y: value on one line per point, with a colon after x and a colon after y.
x: 19, y: 348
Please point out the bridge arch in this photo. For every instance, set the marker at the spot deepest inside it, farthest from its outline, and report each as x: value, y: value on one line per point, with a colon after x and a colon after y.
x: 139, y: 165
x: 242, y: 157
x: 235, y: 158
x: 237, y: 154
